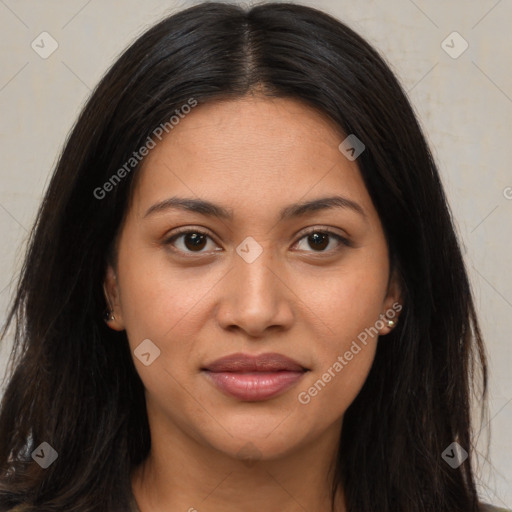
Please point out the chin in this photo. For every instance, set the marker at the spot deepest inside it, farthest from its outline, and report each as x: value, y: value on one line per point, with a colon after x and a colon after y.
x: 257, y: 440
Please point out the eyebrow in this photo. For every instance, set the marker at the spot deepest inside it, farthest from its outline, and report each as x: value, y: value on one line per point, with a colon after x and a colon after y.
x: 209, y: 209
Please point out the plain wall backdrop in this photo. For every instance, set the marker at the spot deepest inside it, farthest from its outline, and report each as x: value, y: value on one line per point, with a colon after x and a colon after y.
x: 463, y: 97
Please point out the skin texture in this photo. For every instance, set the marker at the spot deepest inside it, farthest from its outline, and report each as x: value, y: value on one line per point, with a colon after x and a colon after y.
x: 254, y: 156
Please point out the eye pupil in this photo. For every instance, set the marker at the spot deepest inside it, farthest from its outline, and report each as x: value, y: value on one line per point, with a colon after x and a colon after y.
x: 318, y: 240
x: 196, y: 240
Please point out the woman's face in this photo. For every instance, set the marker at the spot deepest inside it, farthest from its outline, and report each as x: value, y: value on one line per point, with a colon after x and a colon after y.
x: 258, y: 282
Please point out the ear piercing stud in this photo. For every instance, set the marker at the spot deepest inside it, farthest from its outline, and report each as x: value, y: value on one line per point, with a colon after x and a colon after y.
x: 109, y: 316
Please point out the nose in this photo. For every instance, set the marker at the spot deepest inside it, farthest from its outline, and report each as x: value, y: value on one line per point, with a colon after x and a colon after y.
x: 255, y: 297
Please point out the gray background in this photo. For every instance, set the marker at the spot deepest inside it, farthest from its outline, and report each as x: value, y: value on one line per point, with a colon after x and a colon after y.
x: 464, y: 105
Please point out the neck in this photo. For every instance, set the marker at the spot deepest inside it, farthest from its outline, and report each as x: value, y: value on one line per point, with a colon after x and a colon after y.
x: 187, y: 475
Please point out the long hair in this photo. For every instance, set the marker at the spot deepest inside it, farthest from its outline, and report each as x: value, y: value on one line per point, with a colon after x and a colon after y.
x: 73, y: 383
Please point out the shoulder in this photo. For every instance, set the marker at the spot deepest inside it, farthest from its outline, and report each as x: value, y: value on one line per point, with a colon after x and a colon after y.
x: 485, y: 507
x: 133, y: 507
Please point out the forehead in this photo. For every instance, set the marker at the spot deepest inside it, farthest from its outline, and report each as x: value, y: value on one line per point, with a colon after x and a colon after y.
x: 261, y: 117
x: 251, y: 150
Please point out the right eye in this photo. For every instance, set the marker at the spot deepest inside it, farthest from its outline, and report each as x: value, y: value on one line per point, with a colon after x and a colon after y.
x: 189, y: 241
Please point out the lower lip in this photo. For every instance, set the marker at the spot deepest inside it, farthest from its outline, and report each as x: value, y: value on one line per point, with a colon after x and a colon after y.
x: 254, y: 386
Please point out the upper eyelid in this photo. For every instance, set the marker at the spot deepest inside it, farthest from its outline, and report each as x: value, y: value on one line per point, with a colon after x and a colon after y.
x: 302, y: 232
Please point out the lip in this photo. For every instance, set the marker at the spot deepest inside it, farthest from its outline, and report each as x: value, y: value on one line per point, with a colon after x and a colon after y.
x: 254, y: 378
x: 269, y: 362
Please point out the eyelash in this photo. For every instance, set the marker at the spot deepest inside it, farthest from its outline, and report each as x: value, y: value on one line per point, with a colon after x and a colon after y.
x: 343, y: 241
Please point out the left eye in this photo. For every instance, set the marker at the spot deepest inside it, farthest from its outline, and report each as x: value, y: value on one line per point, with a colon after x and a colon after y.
x: 320, y: 239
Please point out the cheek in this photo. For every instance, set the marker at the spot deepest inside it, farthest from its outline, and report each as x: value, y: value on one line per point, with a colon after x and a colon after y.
x: 348, y: 299
x: 349, y: 305
x: 344, y: 353
x: 158, y: 298
x: 330, y: 390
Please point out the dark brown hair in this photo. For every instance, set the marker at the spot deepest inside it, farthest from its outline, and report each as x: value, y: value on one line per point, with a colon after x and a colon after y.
x: 73, y: 382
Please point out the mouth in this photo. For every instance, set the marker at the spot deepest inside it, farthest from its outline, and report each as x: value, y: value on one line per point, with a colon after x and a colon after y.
x: 254, y: 378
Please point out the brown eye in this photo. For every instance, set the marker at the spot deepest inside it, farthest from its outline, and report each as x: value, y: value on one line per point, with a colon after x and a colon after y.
x: 191, y: 241
x: 319, y: 240
x: 194, y: 241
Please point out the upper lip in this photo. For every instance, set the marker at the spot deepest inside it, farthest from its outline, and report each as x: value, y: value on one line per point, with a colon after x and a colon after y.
x: 269, y: 362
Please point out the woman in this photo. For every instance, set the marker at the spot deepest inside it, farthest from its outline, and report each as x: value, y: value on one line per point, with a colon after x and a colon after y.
x: 244, y: 289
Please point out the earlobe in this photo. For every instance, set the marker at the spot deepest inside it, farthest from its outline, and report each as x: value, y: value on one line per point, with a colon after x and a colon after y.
x: 389, y: 319
x: 112, y: 315
x: 393, y: 304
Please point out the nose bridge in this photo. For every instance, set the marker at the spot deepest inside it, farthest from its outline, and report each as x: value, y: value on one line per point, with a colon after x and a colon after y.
x: 253, y: 270
x: 255, y: 297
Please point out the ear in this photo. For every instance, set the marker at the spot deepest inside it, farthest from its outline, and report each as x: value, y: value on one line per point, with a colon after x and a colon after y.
x: 111, y: 290
x: 393, y: 304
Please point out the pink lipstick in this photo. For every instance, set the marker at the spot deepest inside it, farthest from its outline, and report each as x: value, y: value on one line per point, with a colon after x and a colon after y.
x: 254, y: 378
